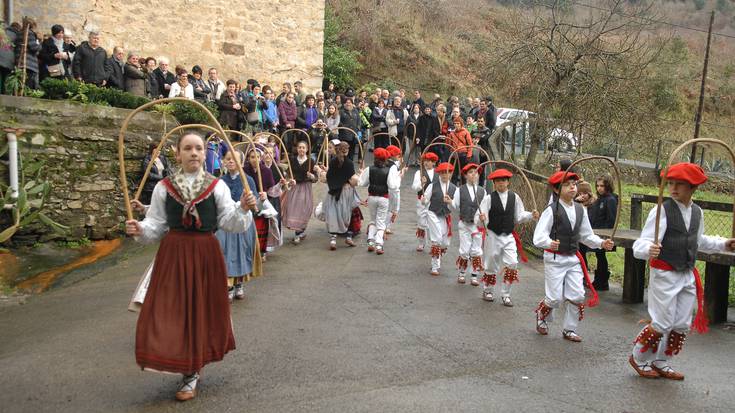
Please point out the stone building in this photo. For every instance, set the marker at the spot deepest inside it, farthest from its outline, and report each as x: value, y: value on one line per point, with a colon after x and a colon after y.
x: 269, y: 40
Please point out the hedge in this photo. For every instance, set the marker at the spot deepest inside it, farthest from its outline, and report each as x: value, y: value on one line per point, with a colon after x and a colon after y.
x: 67, y: 89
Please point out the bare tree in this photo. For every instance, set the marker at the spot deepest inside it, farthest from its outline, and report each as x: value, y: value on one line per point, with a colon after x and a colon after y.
x: 583, y: 71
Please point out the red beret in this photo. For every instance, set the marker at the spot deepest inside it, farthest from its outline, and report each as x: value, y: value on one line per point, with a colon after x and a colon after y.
x: 381, y: 153
x: 556, y: 178
x: 445, y: 167
x: 470, y: 166
x: 500, y: 174
x: 393, y: 150
x: 687, y: 172
x: 431, y: 156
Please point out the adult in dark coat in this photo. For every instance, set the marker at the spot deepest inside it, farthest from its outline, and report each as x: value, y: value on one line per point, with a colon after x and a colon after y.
x: 55, y: 51
x: 151, y: 82
x: 32, y: 50
x: 116, y: 64
x: 349, y: 117
x: 201, y: 88
x: 134, y: 78
x: 308, y: 114
x: 7, y: 54
x: 602, y: 215
x: 427, y: 128
x: 491, y: 114
x: 90, y: 62
x: 164, y: 78
x: 229, y: 106
x: 159, y: 170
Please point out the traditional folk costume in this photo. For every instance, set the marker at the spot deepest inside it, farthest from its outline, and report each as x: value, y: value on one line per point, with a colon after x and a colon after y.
x: 238, y: 247
x: 299, y: 202
x: 262, y: 221
x: 184, y: 322
x: 564, y: 269
x: 504, y: 210
x: 674, y: 284
x: 438, y: 216
x: 421, y: 208
x: 467, y: 201
x: 380, y: 179
x: 394, y: 197
x: 340, y: 201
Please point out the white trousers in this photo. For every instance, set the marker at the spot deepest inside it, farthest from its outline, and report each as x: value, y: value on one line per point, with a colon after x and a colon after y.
x: 378, y: 218
x: 564, y: 282
x: 500, y: 252
x: 421, y: 211
x: 438, y: 230
x: 470, y: 240
x: 672, y: 296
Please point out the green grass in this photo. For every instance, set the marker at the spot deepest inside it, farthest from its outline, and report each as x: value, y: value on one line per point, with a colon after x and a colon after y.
x: 716, y: 223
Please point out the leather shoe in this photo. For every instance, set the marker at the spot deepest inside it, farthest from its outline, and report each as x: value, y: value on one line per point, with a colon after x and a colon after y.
x: 649, y: 374
x: 668, y: 373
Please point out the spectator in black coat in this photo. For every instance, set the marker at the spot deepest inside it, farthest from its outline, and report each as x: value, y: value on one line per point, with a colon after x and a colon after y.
x: 7, y: 54
x: 602, y: 215
x: 490, y: 114
x: 427, y: 128
x: 151, y: 83
x: 164, y: 78
x: 201, y: 89
x: 32, y: 50
x: 230, y: 107
x: 90, y: 62
x: 418, y: 100
x: 134, y: 78
x: 349, y: 117
x: 116, y: 64
x: 56, y: 53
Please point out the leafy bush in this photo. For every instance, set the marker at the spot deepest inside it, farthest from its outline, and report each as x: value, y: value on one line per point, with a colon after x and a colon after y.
x: 340, y: 63
x: 63, y: 89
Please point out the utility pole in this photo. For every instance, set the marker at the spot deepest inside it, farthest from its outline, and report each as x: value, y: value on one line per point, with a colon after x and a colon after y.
x: 698, y: 118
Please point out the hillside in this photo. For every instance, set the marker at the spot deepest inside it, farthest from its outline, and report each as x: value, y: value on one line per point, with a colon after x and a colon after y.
x: 447, y: 47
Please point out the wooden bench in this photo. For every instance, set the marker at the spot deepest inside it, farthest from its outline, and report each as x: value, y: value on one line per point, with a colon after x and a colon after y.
x: 717, y: 274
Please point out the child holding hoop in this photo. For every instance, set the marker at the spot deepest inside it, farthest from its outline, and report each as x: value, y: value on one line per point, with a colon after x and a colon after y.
x: 420, y: 181
x: 184, y: 322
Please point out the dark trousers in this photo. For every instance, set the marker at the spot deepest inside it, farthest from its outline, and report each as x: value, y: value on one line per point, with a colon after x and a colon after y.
x: 602, y: 272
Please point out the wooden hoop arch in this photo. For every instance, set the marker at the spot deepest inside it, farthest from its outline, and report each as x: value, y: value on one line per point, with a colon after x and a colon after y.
x: 359, y: 144
x: 121, y: 145
x: 665, y: 171
x: 421, y: 164
x: 280, y: 142
x: 617, y: 179
x: 521, y: 172
x: 459, y: 148
x: 252, y: 146
x: 390, y: 139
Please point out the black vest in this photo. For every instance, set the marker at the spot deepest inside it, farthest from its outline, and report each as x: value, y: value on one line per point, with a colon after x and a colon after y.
x: 679, y: 246
x: 378, y: 180
x: 502, y: 221
x: 562, y: 229
x: 299, y: 170
x: 437, y: 204
x: 207, y: 210
x: 428, y: 181
x: 468, y: 207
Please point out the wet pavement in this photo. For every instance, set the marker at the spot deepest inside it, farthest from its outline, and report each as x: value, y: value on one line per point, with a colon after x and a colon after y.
x: 351, y: 331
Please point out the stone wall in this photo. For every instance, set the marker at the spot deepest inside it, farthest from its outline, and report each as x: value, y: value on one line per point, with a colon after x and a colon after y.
x: 269, y: 40
x: 78, y: 147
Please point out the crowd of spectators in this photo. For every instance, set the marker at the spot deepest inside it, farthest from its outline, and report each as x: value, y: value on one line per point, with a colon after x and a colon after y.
x: 250, y: 105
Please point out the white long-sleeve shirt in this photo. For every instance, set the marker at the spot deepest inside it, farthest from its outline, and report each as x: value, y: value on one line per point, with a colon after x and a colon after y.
x: 394, y: 179
x: 520, y: 214
x: 417, y: 185
x: 704, y: 242
x: 230, y: 217
x: 472, y: 189
x: 176, y: 90
x: 542, y: 234
x: 426, y: 200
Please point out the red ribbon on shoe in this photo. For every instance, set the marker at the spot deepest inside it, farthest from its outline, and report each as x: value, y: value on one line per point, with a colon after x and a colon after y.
x: 519, y: 247
x: 701, y: 322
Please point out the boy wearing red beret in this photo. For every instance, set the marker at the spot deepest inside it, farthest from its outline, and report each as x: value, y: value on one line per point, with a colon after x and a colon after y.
x: 501, y: 212
x: 420, y: 181
x: 394, y: 160
x: 466, y: 201
x: 562, y: 226
x: 380, y: 180
x: 438, y: 198
x: 674, y: 284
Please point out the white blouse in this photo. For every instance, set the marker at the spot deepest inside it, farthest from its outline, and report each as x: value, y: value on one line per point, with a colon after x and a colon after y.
x: 230, y: 217
x: 175, y: 91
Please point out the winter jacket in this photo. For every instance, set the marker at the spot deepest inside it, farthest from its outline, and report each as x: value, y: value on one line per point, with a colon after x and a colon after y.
x: 393, y: 122
x: 427, y: 129
x: 90, y: 65
x: 349, y: 119
x: 228, y: 116
x: 303, y: 114
x: 134, y: 80
x: 34, y: 47
x: 163, y: 80
x: 602, y: 212
x: 203, y: 94
x: 7, y: 54
x: 151, y: 84
x: 116, y: 78
x: 46, y: 57
x: 287, y: 114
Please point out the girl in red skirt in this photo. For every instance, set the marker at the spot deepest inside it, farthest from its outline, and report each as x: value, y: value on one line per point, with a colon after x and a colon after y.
x: 185, y: 323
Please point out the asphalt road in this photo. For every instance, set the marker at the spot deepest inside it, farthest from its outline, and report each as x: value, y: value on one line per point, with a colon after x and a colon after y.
x: 350, y: 331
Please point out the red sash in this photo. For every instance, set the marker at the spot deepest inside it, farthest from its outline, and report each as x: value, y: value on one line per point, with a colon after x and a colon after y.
x: 701, y: 322
x: 449, y: 225
x: 519, y: 247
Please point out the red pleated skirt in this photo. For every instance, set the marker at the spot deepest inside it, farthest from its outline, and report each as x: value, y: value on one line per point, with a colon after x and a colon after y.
x: 261, y: 227
x: 185, y: 322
